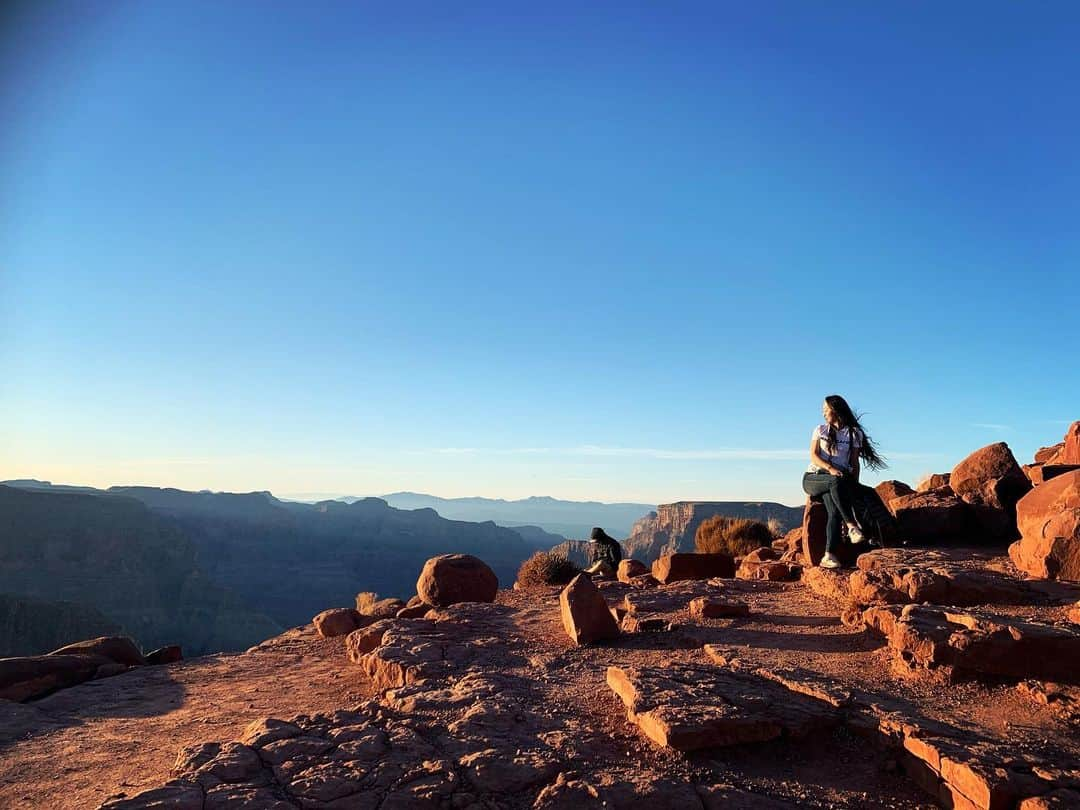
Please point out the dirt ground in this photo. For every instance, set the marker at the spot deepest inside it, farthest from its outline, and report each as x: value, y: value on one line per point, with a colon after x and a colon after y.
x: 79, y: 746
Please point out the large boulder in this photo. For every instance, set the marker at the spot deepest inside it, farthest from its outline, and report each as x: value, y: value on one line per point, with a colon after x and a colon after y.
x: 887, y: 490
x: 1049, y: 521
x: 339, y: 622
x: 120, y: 649
x: 628, y: 569
x: 991, y: 482
x: 937, y: 516
x: 585, y: 612
x: 678, y: 567
x: 451, y: 578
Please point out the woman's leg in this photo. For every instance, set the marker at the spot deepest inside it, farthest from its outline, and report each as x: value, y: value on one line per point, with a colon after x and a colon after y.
x: 822, y: 485
x: 833, y: 535
x: 816, y: 484
x: 840, y: 490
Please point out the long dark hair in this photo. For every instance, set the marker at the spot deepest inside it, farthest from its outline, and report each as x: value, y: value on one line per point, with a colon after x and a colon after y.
x: 848, y: 419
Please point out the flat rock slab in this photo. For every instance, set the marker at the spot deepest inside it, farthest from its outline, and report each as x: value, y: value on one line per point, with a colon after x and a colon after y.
x: 450, y: 639
x: 939, y: 576
x: 668, y: 598
x: 900, y: 576
x: 959, y: 768
x: 711, y: 607
x: 687, y: 706
x: 978, y: 643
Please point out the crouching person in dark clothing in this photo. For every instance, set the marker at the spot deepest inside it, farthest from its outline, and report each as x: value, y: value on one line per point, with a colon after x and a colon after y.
x: 606, y: 553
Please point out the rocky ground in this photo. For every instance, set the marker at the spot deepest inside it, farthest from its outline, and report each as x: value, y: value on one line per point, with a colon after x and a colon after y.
x: 491, y: 705
x: 119, y: 735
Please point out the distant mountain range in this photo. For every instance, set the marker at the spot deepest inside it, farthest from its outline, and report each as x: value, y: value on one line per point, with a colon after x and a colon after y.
x: 76, y: 564
x: 222, y: 571
x: 571, y: 519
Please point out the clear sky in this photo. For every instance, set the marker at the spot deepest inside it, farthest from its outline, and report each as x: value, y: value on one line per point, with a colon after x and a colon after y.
x: 611, y: 251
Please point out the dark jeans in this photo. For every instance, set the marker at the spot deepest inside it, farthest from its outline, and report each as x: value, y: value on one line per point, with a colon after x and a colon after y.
x: 836, y: 492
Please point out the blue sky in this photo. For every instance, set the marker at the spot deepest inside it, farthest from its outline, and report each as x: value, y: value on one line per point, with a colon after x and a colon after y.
x: 512, y: 249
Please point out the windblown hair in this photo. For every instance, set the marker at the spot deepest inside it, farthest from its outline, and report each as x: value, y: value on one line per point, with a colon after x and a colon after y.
x: 848, y: 419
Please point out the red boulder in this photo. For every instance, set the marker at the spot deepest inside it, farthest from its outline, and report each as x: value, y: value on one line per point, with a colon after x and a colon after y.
x: 991, y: 482
x: 628, y: 569
x: 682, y: 566
x: 339, y: 622
x: 585, y: 613
x: 1049, y: 521
x: 888, y: 490
x: 932, y: 517
x: 452, y: 578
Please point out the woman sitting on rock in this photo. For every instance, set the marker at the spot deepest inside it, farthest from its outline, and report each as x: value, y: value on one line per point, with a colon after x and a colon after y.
x: 835, y: 450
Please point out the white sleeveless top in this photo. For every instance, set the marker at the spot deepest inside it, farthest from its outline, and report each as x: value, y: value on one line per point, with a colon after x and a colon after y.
x: 842, y: 452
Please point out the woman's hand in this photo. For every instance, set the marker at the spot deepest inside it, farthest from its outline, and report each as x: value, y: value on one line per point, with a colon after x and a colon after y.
x: 836, y: 472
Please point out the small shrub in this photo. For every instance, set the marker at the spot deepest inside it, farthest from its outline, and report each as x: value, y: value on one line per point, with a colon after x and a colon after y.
x: 776, y: 527
x: 734, y: 536
x: 365, y: 602
x: 546, y: 568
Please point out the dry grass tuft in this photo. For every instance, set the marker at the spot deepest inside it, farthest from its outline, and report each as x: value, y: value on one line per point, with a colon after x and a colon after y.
x: 365, y: 602
x: 546, y: 568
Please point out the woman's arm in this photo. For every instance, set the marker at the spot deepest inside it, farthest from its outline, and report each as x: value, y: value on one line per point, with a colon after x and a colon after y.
x: 818, y: 460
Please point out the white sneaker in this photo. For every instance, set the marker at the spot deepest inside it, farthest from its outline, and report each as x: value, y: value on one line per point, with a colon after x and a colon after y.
x: 829, y: 561
x: 854, y: 534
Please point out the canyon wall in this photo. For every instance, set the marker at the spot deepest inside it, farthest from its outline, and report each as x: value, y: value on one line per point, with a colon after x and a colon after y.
x: 672, y: 526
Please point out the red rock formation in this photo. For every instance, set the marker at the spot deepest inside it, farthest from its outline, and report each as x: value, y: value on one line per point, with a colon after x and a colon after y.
x: 120, y: 649
x: 711, y: 607
x: 887, y: 490
x: 977, y: 643
x: 991, y: 482
x: 1070, y: 451
x: 679, y: 567
x: 452, y: 578
x: 339, y: 622
x: 673, y: 526
x: 413, y: 611
x: 937, y: 516
x: 1049, y: 521
x: 585, y: 614
x: 628, y: 569
x: 933, y: 481
x: 360, y: 642
x: 688, y: 707
x: 1044, y: 454
x: 37, y: 675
